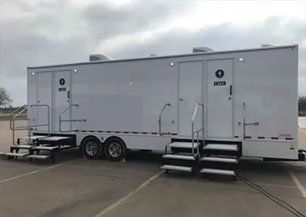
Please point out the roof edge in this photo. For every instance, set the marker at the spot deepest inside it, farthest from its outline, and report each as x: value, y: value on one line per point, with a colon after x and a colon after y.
x: 166, y: 56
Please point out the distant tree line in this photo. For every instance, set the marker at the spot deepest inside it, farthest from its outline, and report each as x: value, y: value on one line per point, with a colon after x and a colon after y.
x: 302, y: 106
x: 5, y: 99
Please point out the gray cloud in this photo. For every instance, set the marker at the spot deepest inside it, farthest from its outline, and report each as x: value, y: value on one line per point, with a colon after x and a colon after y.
x: 104, y: 21
x: 225, y: 36
x: 59, y: 32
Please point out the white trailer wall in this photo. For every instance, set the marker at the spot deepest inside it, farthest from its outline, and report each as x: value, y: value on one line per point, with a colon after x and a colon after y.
x: 128, y: 95
x: 267, y: 81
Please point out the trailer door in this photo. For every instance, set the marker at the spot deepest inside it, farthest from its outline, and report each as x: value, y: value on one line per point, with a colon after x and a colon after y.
x: 43, y: 98
x: 190, y: 93
x: 62, y: 95
x: 219, y: 104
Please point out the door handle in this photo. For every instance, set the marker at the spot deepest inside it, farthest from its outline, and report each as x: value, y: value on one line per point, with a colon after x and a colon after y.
x: 231, y: 90
x: 68, y: 94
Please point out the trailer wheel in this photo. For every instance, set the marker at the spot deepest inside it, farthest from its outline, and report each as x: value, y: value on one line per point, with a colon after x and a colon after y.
x: 114, y: 149
x: 91, y: 147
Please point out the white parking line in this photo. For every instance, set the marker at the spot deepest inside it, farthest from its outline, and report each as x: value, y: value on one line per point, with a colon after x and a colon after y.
x: 297, y: 183
x: 33, y: 172
x: 130, y: 194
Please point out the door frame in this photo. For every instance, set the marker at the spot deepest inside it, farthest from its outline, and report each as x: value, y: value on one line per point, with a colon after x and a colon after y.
x: 205, y: 100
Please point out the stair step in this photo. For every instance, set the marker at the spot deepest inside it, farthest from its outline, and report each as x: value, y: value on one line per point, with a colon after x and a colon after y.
x: 64, y: 146
x: 178, y: 168
x: 178, y: 156
x: 31, y: 137
x: 222, y: 147
x: 182, y: 145
x: 218, y: 171
x: 36, y: 156
x: 22, y: 146
x: 46, y: 148
x: 54, y: 138
x: 220, y: 159
x: 14, y: 154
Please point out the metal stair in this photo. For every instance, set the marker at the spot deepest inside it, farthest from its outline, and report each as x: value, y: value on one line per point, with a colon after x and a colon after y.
x: 39, y: 147
x: 23, y: 146
x: 197, y: 154
x: 180, y: 156
x: 221, y: 158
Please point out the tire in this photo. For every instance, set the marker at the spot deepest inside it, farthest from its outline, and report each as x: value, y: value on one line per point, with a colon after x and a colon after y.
x: 91, y: 147
x: 114, y: 149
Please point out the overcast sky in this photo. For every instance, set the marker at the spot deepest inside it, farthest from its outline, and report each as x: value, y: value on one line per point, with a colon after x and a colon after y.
x: 38, y: 32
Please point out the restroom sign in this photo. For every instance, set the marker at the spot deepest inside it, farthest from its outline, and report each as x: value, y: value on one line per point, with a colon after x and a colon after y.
x: 62, y: 81
x: 219, y: 73
x: 219, y: 83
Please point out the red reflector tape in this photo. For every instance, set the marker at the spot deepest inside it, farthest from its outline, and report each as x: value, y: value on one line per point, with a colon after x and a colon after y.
x: 289, y: 138
x: 274, y: 138
x: 248, y: 137
x: 154, y: 133
x: 236, y: 137
x: 261, y: 137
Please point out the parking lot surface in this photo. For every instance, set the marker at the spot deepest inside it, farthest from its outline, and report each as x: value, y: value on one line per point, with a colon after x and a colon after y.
x: 75, y: 186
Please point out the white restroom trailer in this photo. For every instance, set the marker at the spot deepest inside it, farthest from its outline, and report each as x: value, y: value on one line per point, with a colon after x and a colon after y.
x: 249, y: 97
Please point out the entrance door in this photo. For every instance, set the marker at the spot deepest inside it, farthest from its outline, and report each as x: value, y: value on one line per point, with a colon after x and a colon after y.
x: 190, y: 93
x: 44, y: 98
x: 62, y: 95
x: 219, y: 99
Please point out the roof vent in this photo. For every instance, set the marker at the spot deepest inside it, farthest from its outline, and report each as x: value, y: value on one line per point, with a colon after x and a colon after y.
x: 201, y: 49
x: 97, y: 57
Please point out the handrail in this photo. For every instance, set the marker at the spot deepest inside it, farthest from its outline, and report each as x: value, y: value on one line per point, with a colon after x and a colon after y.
x: 244, y: 123
x: 197, y: 131
x: 18, y: 108
x: 14, y: 112
x: 68, y: 120
x: 19, y: 111
x: 243, y: 117
x: 160, y: 117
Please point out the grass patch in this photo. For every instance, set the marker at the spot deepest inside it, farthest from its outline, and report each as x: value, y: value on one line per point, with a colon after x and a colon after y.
x: 6, y: 117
